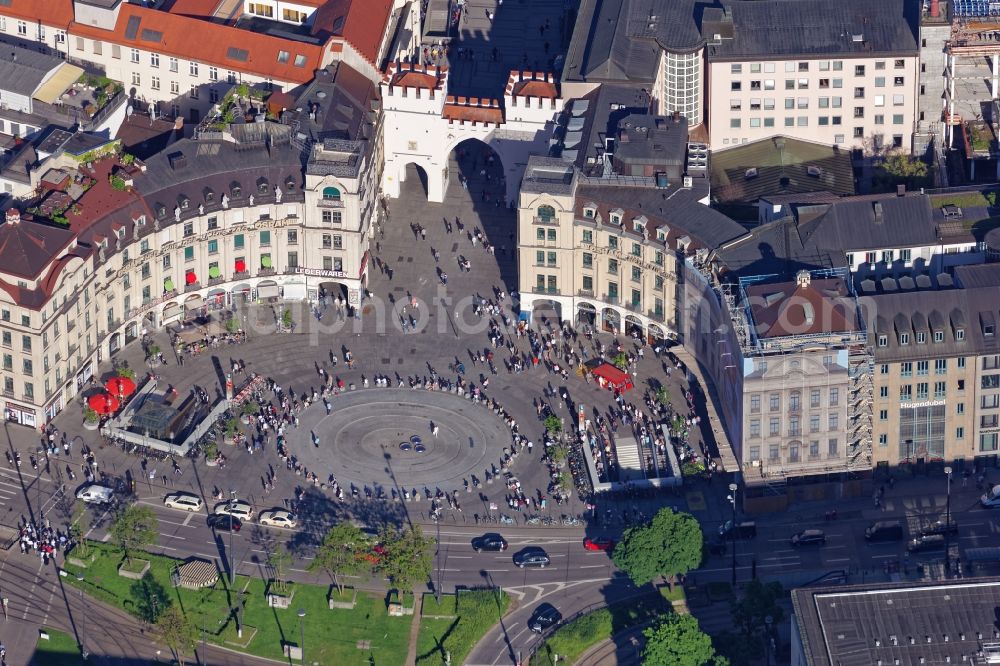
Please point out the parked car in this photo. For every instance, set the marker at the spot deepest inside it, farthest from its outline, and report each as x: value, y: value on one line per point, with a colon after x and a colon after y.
x: 925, y: 543
x: 600, y: 543
x: 183, y: 501
x: 545, y: 616
x: 884, y: 530
x: 224, y: 522
x: 238, y: 508
x: 809, y: 538
x: 532, y: 557
x: 940, y: 527
x: 744, y: 531
x: 94, y: 493
x: 278, y: 518
x: 491, y: 541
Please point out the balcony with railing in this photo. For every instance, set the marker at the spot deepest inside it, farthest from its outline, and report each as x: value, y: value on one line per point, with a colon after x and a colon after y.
x: 610, y: 300
x: 331, y: 203
x: 266, y: 272
x: 194, y: 286
x: 586, y: 293
x: 656, y: 315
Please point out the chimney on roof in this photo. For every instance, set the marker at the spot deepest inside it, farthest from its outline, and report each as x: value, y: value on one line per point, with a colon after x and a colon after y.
x: 802, y: 279
x: 878, y: 213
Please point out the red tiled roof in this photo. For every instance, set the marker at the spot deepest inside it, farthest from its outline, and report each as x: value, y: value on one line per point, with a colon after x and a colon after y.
x: 473, y: 114
x: 363, y: 25
x: 789, y: 309
x: 536, y: 89
x: 415, y: 79
x: 207, y: 42
x: 57, y: 13
x: 205, y: 8
x: 99, y: 200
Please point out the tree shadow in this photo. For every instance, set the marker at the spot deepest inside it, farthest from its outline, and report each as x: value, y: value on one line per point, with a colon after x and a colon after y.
x: 149, y: 597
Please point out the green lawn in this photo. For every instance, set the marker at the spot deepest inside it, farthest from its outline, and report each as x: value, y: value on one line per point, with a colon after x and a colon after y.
x: 477, y: 611
x: 962, y: 200
x: 575, y: 638
x: 331, y: 636
x: 60, y: 650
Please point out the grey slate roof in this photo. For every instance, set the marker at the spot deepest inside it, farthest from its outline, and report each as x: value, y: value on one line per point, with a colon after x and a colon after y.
x: 820, y: 236
x: 215, y: 166
x: 942, y: 310
x: 646, y: 139
x: 620, y: 40
x: 23, y: 70
x: 819, y: 27
x: 782, y: 167
x: 27, y: 247
x: 674, y: 207
x: 854, y: 625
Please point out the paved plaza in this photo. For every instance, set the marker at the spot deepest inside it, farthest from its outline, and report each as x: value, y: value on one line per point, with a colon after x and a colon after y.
x: 385, y: 438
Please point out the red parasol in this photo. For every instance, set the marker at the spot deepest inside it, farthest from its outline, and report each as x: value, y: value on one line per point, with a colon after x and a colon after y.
x: 103, y: 403
x: 190, y: 277
x: 241, y: 266
x: 120, y: 386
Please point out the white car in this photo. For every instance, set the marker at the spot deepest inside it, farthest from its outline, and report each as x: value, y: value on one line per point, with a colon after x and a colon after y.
x: 279, y: 518
x: 237, y: 508
x: 95, y: 494
x: 183, y: 501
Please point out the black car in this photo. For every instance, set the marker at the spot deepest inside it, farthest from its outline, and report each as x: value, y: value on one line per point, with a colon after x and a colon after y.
x: 489, y: 541
x: 809, y: 538
x: 544, y: 617
x: 925, y: 543
x: 224, y: 522
x: 534, y: 557
x: 940, y: 527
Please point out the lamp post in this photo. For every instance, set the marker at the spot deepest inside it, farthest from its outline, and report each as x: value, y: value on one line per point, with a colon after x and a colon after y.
x: 302, y: 635
x: 83, y: 632
x: 947, y: 525
x: 232, y: 558
x: 732, y: 532
x: 768, y: 621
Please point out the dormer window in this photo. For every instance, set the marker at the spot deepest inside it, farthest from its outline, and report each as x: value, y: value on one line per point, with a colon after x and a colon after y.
x: 883, y: 341
x: 262, y: 187
x: 989, y: 330
x: 590, y: 212
x: 236, y: 190
x: 209, y: 196
x: 904, y: 338
x: 161, y: 210
x: 185, y: 203
x: 661, y: 235
x: 140, y: 221
x: 331, y: 194
x: 938, y: 336
x: 289, y: 183
x: 959, y: 333
x: 921, y: 338
x: 546, y: 214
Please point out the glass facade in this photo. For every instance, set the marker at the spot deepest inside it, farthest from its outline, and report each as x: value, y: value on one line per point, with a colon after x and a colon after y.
x: 682, y: 85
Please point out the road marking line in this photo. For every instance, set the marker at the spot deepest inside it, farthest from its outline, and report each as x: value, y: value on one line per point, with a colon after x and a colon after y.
x: 592, y: 566
x: 187, y: 521
x: 838, y: 559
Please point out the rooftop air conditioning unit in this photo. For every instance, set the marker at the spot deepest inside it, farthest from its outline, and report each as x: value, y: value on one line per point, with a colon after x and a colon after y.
x: 688, y: 182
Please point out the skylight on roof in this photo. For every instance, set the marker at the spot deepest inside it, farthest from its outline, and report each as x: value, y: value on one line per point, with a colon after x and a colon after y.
x: 234, y: 53
x: 132, y: 28
x: 151, y: 35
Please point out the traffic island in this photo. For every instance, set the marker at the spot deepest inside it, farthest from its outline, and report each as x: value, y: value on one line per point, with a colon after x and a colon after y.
x: 472, y: 614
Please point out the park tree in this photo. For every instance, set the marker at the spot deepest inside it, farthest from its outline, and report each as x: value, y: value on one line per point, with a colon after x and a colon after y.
x: 406, y: 559
x: 758, y: 602
x: 177, y: 633
x: 898, y: 167
x: 668, y: 546
x: 342, y: 553
x: 676, y: 640
x: 134, y: 528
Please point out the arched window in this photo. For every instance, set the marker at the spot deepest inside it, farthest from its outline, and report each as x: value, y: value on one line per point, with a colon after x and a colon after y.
x: 546, y: 213
x: 331, y: 194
